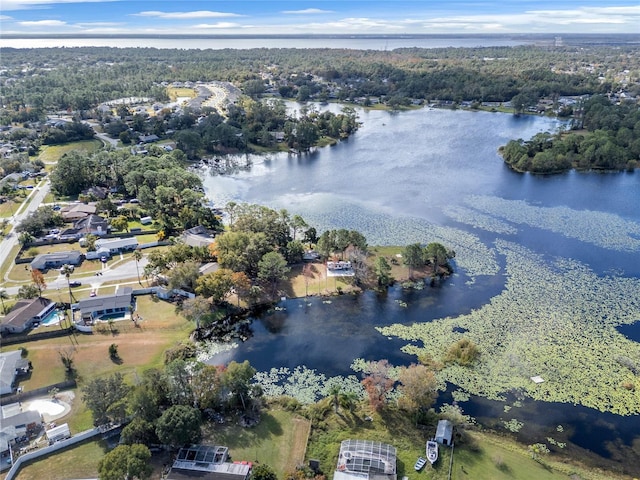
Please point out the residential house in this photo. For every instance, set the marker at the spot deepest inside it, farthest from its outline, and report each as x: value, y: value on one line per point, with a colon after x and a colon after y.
x: 97, y: 192
x: 92, y: 225
x: 197, y: 237
x: 16, y: 426
x: 76, y: 211
x: 25, y: 313
x: 444, y: 432
x: 148, y: 138
x: 366, y: 460
x: 93, y: 308
x: 45, y: 261
x: 207, y: 463
x: 116, y: 245
x: 12, y: 365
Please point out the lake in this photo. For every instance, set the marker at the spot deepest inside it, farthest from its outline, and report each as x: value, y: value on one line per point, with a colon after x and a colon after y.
x: 435, y: 175
x: 354, y: 42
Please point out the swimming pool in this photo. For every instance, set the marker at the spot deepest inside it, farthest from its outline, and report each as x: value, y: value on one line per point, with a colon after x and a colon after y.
x: 54, y: 317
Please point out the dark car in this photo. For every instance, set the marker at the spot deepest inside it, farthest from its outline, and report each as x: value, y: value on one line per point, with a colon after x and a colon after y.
x: 75, y: 283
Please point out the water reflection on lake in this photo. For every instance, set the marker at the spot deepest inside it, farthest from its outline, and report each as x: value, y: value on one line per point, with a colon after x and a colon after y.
x: 424, y: 174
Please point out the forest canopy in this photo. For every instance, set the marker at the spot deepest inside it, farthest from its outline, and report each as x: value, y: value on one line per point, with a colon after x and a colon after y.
x: 607, y: 138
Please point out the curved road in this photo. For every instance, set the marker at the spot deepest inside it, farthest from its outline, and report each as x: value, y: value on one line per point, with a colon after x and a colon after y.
x: 122, y: 271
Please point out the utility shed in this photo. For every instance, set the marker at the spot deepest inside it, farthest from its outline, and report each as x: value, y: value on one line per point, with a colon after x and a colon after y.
x: 444, y: 432
x: 58, y: 433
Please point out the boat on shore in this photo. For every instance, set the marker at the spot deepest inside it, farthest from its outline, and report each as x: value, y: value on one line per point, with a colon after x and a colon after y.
x: 420, y: 463
x: 432, y: 451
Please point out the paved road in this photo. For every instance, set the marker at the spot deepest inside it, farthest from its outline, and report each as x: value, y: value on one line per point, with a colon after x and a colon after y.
x: 11, y: 240
x: 120, y: 271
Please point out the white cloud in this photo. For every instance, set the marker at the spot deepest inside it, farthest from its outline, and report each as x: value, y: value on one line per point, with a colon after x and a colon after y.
x: 306, y: 11
x: 99, y: 24
x: 5, y: 17
x: 31, y: 4
x: 217, y: 26
x: 186, y: 15
x: 44, y: 23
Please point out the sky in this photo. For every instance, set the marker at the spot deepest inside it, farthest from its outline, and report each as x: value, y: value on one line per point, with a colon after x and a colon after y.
x: 272, y: 17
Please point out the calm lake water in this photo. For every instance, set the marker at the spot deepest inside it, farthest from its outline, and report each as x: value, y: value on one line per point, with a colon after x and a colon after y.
x: 402, y: 178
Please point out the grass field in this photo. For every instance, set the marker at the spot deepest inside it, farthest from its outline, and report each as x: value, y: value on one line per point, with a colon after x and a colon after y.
x: 175, y: 92
x: 139, y: 348
x: 53, y: 153
x: 79, y: 462
x: 279, y: 440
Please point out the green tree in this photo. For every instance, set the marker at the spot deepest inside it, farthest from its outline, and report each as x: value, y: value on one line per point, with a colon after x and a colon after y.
x: 271, y: 269
x: 126, y: 462
x: 216, y: 285
x: 67, y: 270
x: 140, y: 431
x: 113, y: 352
x: 73, y: 173
x: 383, y: 271
x: 120, y: 223
x: 195, y: 309
x: 237, y: 380
x: 137, y: 256
x: 179, y: 425
x: 28, y: 291
x: 3, y: 296
x: 184, y: 276
x: 413, y: 257
x: 101, y: 394
x: 262, y: 471
x: 438, y: 256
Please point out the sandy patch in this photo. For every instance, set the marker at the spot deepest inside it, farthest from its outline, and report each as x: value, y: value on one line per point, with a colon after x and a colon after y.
x: 51, y: 409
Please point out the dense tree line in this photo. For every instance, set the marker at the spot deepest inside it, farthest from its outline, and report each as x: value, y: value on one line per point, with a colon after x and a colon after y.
x: 165, y: 189
x: 67, y: 132
x: 81, y: 78
x: 610, y: 141
x: 168, y: 406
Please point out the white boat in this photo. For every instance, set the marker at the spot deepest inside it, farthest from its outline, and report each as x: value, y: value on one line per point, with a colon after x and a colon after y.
x: 420, y: 463
x: 432, y: 451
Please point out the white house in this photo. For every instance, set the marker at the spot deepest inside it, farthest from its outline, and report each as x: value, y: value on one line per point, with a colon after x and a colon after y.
x: 117, y: 245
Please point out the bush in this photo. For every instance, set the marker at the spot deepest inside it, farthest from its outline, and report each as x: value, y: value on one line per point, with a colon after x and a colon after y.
x: 464, y: 352
x: 183, y: 351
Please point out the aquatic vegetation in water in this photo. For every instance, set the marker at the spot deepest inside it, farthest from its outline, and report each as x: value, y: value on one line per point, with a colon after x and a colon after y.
x: 603, y: 229
x: 206, y: 350
x: 401, y: 303
x: 513, y: 425
x: 460, y: 395
x: 476, y: 219
x: 304, y: 384
x: 554, y: 319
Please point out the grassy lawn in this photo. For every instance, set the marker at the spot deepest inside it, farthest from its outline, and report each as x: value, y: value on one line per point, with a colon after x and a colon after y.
x: 8, y: 208
x: 53, y: 153
x: 79, y: 462
x: 175, y: 92
x: 139, y: 348
x: 279, y: 440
